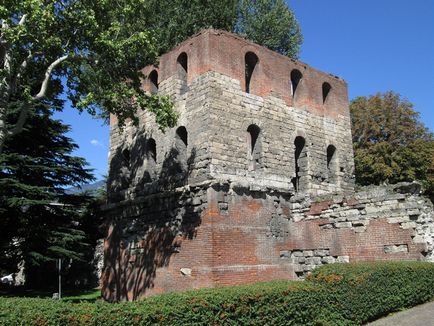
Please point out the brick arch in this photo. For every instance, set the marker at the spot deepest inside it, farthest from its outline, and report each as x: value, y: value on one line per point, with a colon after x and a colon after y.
x: 257, y: 122
x: 146, y: 82
x: 300, y: 133
x: 257, y: 79
x: 301, y: 159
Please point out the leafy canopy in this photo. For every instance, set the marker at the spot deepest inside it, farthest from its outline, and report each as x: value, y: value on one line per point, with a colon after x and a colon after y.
x: 270, y: 23
x: 390, y: 144
x: 173, y: 21
x: 267, y: 22
x: 96, y: 46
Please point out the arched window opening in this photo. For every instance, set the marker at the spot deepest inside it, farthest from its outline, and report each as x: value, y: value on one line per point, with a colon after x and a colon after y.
x: 181, y: 141
x: 331, y: 163
x: 182, y: 62
x: 153, y: 79
x: 254, y: 146
x: 300, y: 157
x: 250, y: 61
x: 152, y: 150
x: 182, y: 134
x: 325, y: 91
x: 183, y: 65
x: 296, y: 76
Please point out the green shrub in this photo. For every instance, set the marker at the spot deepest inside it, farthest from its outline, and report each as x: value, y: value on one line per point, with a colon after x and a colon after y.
x: 344, y: 294
x: 365, y: 291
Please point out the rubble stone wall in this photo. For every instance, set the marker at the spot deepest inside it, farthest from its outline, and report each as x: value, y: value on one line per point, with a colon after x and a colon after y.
x: 216, y: 111
x: 253, y: 184
x: 219, y: 233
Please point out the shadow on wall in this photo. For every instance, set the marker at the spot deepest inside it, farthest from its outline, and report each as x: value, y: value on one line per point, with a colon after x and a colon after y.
x: 135, y: 168
x: 145, y: 240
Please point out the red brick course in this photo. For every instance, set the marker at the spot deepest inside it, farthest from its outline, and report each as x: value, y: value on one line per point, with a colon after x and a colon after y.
x: 223, y: 52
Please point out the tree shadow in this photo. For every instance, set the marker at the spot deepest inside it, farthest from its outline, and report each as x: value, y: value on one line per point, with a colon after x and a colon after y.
x: 143, y: 235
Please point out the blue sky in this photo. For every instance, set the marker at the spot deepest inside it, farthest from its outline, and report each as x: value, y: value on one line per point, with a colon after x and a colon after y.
x: 375, y: 45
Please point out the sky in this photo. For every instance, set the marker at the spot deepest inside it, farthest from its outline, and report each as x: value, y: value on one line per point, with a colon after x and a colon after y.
x: 375, y: 45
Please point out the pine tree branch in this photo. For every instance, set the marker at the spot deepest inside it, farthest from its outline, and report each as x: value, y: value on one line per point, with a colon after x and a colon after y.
x: 25, y: 107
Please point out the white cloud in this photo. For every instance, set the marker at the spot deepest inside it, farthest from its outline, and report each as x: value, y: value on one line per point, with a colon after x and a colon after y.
x: 96, y: 142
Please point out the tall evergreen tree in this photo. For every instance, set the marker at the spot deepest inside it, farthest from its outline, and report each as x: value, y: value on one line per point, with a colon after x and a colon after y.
x: 39, y: 221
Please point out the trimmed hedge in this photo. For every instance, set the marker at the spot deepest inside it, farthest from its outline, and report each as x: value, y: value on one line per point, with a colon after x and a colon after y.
x: 366, y: 291
x: 339, y: 294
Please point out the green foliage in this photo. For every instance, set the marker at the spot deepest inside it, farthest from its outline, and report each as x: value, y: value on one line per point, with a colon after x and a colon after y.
x: 270, y: 23
x: 39, y: 221
x: 97, y: 47
x: 347, y: 294
x: 267, y: 22
x: 366, y: 291
x: 173, y: 21
x: 390, y: 144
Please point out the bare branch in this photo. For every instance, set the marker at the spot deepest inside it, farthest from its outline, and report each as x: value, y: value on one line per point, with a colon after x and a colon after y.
x: 47, y: 77
x: 22, y: 20
x: 21, y: 70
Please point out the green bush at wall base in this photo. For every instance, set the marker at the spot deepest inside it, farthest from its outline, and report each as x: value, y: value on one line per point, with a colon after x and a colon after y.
x: 339, y: 294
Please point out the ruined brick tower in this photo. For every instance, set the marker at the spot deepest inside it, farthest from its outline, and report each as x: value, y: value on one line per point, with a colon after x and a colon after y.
x: 226, y: 197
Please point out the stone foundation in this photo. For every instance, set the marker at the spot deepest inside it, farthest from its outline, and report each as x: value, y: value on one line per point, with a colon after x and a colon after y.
x: 218, y: 233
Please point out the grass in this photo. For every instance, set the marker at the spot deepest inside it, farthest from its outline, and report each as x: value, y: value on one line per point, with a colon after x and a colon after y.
x: 71, y: 295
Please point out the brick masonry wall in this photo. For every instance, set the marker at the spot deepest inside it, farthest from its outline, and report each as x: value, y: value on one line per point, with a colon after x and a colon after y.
x: 216, y: 111
x: 204, y: 208
x: 219, y: 233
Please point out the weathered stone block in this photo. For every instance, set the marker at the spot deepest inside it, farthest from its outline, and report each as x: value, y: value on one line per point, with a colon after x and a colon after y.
x: 243, y: 189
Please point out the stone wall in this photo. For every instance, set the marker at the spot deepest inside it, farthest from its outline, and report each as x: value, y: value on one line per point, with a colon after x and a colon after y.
x: 279, y: 126
x: 255, y: 183
x: 219, y: 233
x: 216, y: 111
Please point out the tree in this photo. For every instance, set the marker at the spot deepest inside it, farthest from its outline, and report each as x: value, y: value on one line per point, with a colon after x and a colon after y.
x: 95, y: 48
x: 390, y: 144
x: 267, y: 22
x: 40, y: 222
x: 270, y: 23
x: 173, y: 21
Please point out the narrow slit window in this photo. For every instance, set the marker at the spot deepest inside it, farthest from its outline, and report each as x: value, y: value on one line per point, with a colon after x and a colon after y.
x: 181, y: 142
x: 300, y: 161
x: 153, y: 79
x: 254, y: 146
x: 152, y: 150
x: 250, y: 61
x: 326, y: 88
x: 331, y: 163
x: 183, y: 65
x: 296, y: 76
